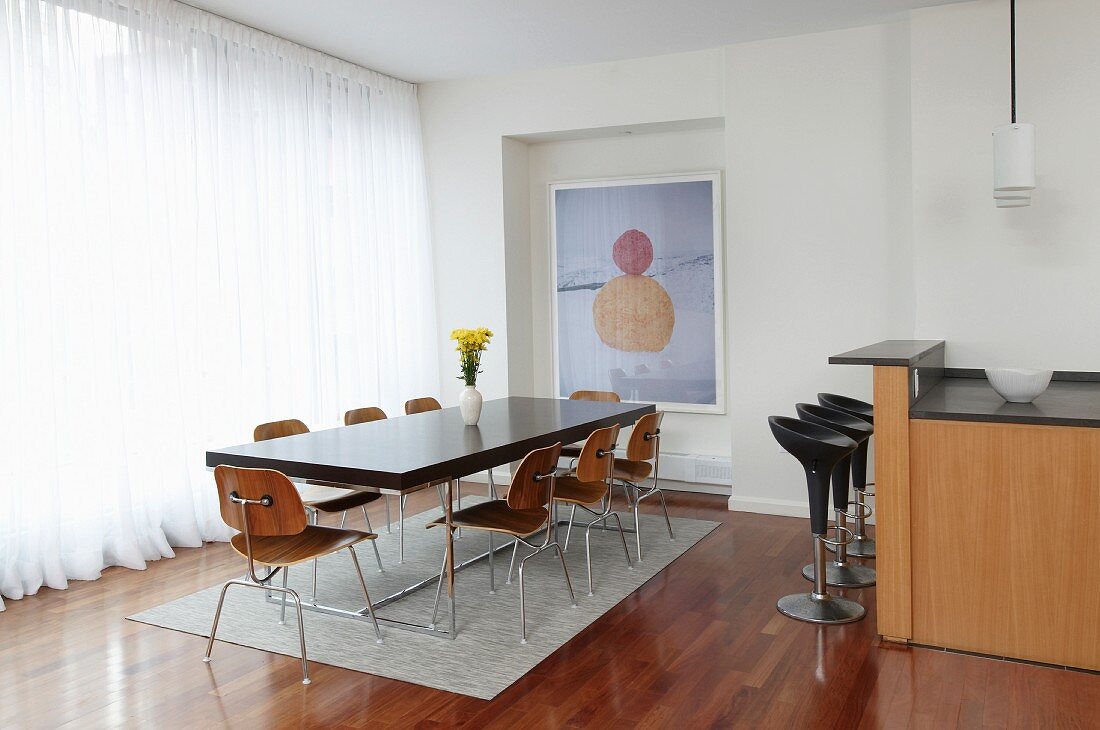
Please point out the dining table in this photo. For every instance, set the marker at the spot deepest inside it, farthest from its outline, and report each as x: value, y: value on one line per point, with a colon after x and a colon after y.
x: 404, y: 454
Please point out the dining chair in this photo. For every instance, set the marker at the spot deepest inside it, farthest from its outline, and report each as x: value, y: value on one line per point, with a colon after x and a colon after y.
x: 572, y: 451
x: 274, y: 532
x: 421, y: 405
x: 522, y: 515
x: 369, y: 414
x: 590, y: 486
x: 319, y: 498
x: 643, y: 456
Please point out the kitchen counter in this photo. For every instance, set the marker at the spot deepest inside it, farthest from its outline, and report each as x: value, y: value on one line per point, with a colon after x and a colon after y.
x: 1064, y: 403
x: 987, y: 513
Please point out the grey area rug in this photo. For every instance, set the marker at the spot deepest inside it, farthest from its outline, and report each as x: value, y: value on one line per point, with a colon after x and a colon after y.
x: 486, y: 656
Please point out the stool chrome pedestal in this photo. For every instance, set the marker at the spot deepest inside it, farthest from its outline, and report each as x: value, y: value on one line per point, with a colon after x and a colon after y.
x: 840, y: 572
x: 862, y: 546
x: 819, y: 449
x: 818, y: 606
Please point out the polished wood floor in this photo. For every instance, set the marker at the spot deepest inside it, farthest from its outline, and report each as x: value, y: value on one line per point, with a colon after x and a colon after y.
x: 700, y: 645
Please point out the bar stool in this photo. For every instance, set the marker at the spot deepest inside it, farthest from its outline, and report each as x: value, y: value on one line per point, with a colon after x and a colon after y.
x: 819, y: 449
x: 863, y: 546
x: 840, y: 572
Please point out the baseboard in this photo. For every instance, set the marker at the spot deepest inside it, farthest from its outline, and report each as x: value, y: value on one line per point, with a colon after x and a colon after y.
x: 768, y: 506
x: 780, y: 507
x: 672, y: 486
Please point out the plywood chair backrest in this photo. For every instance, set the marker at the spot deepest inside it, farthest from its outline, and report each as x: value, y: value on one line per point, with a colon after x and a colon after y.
x: 282, y: 513
x: 364, y: 415
x: 420, y: 405
x: 645, y: 438
x: 602, y: 396
x: 530, y: 488
x: 594, y: 463
x: 279, y: 429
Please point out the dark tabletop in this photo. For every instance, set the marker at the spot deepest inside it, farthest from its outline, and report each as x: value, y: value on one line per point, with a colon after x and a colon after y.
x: 1064, y: 403
x: 888, y: 352
x: 404, y: 452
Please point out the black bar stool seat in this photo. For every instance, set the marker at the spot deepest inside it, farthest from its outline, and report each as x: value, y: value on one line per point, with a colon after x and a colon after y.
x: 819, y: 449
x: 840, y: 572
x: 862, y: 546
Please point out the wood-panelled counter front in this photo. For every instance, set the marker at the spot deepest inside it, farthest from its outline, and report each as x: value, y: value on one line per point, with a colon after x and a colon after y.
x: 987, y: 513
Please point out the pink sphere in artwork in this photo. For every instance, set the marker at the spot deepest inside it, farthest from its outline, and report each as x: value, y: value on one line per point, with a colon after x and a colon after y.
x: 633, y: 252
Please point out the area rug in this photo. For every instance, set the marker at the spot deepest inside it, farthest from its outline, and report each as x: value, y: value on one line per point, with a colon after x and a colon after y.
x: 486, y: 656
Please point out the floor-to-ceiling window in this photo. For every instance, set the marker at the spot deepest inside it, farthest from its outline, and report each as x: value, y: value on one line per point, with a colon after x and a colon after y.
x: 202, y: 227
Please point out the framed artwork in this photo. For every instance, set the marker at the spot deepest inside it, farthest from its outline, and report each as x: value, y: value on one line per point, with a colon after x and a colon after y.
x: 637, y: 289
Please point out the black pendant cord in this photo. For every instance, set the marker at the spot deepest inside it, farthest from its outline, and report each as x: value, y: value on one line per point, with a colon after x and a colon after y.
x: 1012, y: 33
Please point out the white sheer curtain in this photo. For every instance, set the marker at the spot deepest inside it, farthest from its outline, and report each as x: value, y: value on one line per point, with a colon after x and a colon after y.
x: 202, y: 227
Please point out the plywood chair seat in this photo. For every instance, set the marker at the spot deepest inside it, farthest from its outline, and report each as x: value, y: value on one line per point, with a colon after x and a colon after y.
x: 497, y: 516
x: 327, y: 499
x: 570, y: 489
x: 632, y: 471
x: 313, y: 542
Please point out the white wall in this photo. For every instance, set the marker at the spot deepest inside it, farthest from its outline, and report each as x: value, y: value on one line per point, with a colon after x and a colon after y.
x: 1016, y: 286
x: 818, y: 214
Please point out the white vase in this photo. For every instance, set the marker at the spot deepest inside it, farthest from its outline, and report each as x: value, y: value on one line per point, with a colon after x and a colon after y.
x: 470, y: 404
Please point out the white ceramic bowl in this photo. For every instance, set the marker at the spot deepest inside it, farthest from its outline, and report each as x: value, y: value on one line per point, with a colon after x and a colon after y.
x: 1018, y: 385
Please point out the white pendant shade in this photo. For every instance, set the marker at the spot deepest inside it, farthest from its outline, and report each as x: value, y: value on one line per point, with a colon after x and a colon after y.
x: 1013, y: 202
x: 1014, y: 157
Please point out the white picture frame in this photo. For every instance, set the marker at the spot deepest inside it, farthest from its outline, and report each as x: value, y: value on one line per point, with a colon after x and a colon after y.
x: 717, y: 277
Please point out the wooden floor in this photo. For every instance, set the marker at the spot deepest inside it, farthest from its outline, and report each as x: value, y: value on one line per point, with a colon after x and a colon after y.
x: 700, y: 645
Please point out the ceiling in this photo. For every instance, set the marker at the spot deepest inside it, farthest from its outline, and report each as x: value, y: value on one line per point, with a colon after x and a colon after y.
x: 430, y: 40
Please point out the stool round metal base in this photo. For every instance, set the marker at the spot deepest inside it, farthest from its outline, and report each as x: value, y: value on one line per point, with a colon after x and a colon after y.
x: 843, y: 576
x: 860, y: 547
x: 827, y: 610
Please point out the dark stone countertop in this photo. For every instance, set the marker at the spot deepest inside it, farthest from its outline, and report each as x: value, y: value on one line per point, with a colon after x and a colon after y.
x: 1065, y: 403
x: 889, y: 352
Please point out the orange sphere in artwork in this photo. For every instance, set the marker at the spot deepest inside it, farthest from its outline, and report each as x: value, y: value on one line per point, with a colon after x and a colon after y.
x: 634, y: 314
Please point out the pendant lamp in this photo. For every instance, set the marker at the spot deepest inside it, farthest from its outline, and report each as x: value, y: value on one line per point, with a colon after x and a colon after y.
x: 1013, y: 146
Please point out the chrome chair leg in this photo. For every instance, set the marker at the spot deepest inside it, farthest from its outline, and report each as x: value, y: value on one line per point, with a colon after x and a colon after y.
x: 438, y: 591
x: 588, y: 555
x: 301, y: 635
x: 622, y: 536
x: 565, y: 570
x: 637, y: 531
x: 263, y: 586
x: 569, y: 529
x: 313, y: 517
x: 282, y: 609
x: 522, y: 605
x: 512, y: 564
x: 374, y: 543
x: 217, y: 616
x: 343, y: 519
x: 492, y: 571
x: 366, y: 595
x: 389, y: 524
x: 668, y: 522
